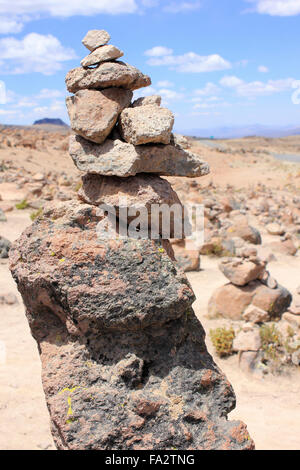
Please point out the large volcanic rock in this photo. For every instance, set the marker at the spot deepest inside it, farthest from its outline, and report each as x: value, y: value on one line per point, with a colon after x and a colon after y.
x: 123, y: 356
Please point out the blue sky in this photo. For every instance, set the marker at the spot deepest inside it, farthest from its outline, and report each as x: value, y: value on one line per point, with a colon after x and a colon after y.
x: 215, y: 62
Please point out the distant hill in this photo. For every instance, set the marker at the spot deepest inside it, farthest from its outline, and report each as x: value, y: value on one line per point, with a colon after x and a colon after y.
x: 246, y: 131
x: 55, y: 122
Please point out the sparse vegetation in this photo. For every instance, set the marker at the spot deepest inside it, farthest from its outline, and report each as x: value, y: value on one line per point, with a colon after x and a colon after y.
x: 36, y: 214
x: 222, y: 339
x: 22, y: 205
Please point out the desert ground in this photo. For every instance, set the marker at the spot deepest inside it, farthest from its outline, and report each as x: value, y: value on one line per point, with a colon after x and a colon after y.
x: 35, y: 168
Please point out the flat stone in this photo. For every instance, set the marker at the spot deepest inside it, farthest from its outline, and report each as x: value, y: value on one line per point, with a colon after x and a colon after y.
x: 102, y: 54
x: 95, y: 38
x: 117, y: 158
x: 154, y: 100
x: 146, y: 124
x: 133, y: 197
x: 106, y: 75
x: 240, y: 272
x: 93, y: 113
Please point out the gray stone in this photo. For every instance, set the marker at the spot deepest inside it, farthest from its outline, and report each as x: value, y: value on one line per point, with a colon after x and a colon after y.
x: 102, y: 54
x: 95, y: 38
x: 146, y: 124
x: 106, y: 75
x: 116, y: 158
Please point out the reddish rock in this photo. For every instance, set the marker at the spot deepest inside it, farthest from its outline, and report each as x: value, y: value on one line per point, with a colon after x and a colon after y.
x: 124, y: 361
x: 138, y: 198
x: 240, y: 272
x: 94, y: 113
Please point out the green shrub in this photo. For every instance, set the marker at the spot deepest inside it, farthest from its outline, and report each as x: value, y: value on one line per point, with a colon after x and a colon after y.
x: 222, y: 339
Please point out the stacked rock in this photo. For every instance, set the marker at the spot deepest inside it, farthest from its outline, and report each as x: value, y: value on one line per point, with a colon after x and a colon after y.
x: 252, y: 295
x: 124, y: 362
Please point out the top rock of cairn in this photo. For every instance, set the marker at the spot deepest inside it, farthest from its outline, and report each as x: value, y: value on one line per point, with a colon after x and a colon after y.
x: 95, y: 38
x: 111, y: 131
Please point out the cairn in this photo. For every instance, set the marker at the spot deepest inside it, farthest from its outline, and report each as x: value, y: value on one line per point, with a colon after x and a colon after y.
x: 124, y: 362
x: 252, y: 294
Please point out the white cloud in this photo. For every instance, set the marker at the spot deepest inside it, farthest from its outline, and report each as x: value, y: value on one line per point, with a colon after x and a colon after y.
x: 263, y: 69
x: 170, y: 94
x: 34, y: 53
x: 10, y: 25
x: 277, y: 7
x: 209, y: 89
x: 189, y: 62
x: 179, y: 7
x: 46, y: 93
x: 158, y: 51
x: 231, y: 81
x: 166, y: 94
x: 223, y: 104
x: 165, y: 84
x: 257, y: 88
x: 66, y: 8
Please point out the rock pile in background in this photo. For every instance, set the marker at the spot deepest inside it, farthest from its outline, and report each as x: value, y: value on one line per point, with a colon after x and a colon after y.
x: 252, y: 294
x: 124, y: 362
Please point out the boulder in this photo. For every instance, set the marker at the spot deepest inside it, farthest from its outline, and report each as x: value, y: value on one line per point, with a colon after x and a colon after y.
x: 244, y: 231
x: 106, y: 75
x: 124, y: 362
x: 95, y: 38
x: 102, y: 54
x: 240, y: 272
x: 274, y: 301
x: 187, y: 259
x: 93, y: 113
x: 117, y: 158
x: 146, y: 124
x: 275, y: 229
x: 140, y: 194
x: 231, y: 301
x: 285, y: 247
x: 154, y: 100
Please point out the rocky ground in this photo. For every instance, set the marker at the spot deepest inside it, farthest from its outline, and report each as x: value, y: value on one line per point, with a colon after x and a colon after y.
x: 247, y: 188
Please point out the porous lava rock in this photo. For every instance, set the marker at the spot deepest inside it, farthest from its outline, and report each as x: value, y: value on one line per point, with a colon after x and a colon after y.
x: 124, y: 362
